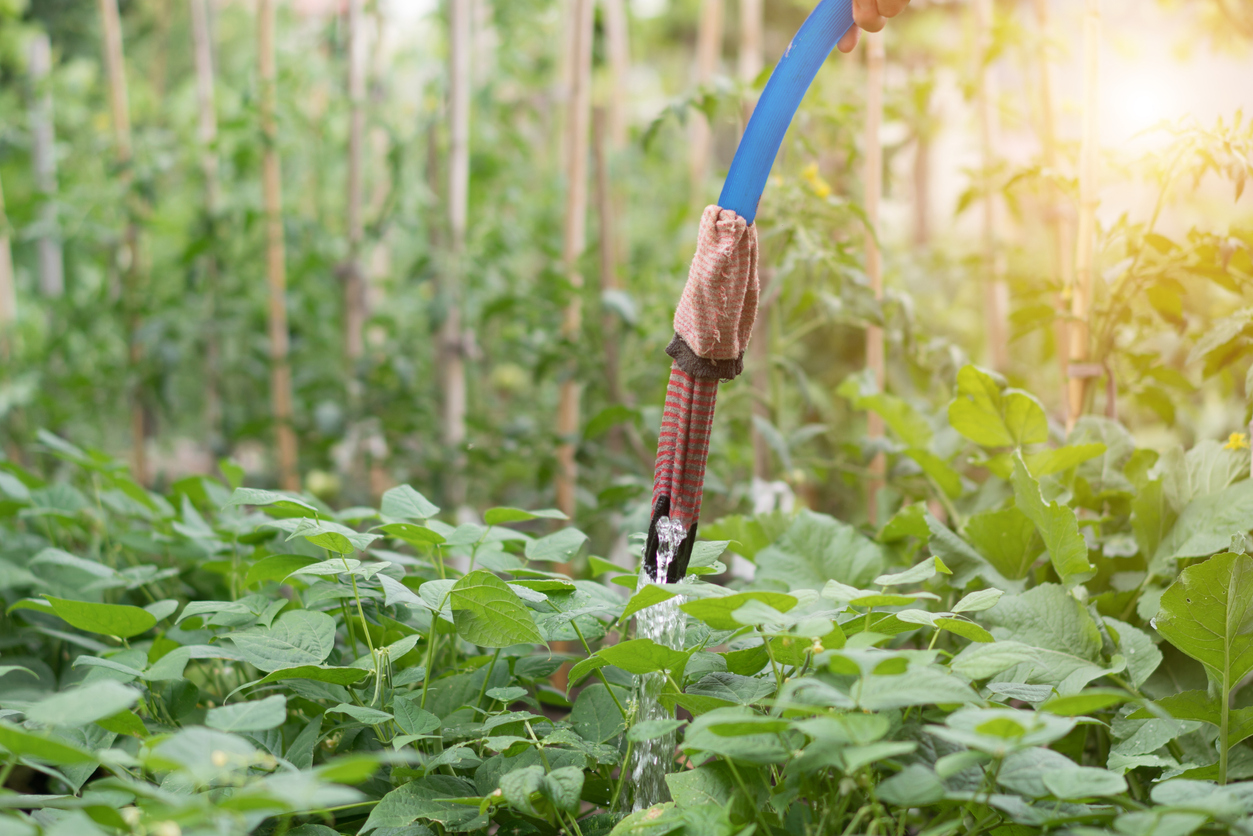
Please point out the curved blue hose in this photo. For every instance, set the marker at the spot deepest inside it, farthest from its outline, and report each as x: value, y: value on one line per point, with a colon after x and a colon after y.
x: 788, y: 84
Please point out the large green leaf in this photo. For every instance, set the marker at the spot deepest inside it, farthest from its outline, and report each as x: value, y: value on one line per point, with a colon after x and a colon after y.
x: 1006, y: 539
x: 120, y: 620
x: 1207, y: 523
x: 490, y: 614
x: 817, y: 548
x: 40, y: 746
x: 1057, y: 525
x: 84, y: 704
x: 1208, y: 614
x: 1066, y: 641
x: 427, y: 798
x: 991, y: 417
x: 301, y: 637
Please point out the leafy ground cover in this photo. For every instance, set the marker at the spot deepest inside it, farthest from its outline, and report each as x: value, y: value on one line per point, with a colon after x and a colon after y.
x: 1058, y: 648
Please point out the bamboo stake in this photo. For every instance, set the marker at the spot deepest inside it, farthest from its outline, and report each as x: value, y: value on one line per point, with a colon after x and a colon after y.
x: 996, y: 292
x: 353, y: 273
x: 708, y: 51
x: 618, y: 53
x: 873, y: 176
x: 452, y: 341
x: 610, y: 282
x: 8, y: 290
x: 44, y: 158
x: 1059, y: 222
x: 749, y: 65
x: 752, y: 20
x: 575, y: 236
x: 207, y: 132
x: 276, y: 258
x: 111, y: 28
x: 1089, y: 199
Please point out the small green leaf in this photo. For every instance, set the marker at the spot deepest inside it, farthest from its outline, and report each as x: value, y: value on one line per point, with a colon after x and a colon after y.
x: 403, y: 502
x: 991, y: 417
x: 256, y: 715
x: 318, y: 673
x: 1083, y: 782
x: 501, y: 516
x: 924, y: 571
x: 276, y: 567
x: 557, y: 547
x: 1056, y: 524
x: 718, y: 612
x: 640, y: 656
x: 1086, y: 702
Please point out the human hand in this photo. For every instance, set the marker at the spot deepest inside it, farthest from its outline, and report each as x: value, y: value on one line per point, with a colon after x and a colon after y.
x: 870, y: 15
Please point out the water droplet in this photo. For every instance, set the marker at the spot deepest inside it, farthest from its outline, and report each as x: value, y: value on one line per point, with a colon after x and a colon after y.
x: 665, y: 624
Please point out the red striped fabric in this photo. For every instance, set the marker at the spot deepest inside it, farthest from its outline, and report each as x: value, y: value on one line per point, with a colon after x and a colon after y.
x: 683, y: 445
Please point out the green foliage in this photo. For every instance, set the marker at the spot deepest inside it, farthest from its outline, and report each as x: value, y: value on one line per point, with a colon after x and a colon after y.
x: 1006, y: 672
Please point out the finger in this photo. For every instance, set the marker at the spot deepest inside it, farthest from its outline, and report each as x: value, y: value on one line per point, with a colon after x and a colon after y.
x: 866, y: 15
x: 891, y: 8
x: 849, y: 42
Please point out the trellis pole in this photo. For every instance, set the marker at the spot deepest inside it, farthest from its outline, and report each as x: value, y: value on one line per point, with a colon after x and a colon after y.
x: 353, y: 273
x: 618, y: 53
x: 708, y: 51
x: 207, y: 132
x: 1058, y: 220
x: 574, y: 241
x: 996, y: 292
x: 276, y: 258
x: 119, y: 106
x: 873, y: 179
x: 1081, y: 297
x: 8, y: 290
x: 44, y: 160
x: 451, y: 339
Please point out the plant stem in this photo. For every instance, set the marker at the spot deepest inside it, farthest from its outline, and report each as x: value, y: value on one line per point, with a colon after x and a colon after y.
x: 748, y: 796
x: 1222, y: 731
x: 357, y: 595
x: 599, y: 673
x: 478, y: 703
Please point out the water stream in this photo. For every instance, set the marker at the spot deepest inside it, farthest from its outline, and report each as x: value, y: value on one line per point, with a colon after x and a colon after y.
x: 665, y: 624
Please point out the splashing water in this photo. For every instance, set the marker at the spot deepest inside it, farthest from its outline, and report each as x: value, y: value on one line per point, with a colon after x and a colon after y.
x: 663, y: 623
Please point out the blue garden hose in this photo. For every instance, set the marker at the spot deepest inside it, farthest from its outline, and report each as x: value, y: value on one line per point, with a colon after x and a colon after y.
x: 773, y: 114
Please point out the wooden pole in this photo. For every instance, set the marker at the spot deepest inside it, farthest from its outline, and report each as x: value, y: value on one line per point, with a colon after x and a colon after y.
x: 276, y: 258
x: 1058, y: 218
x: 44, y: 159
x: 8, y: 289
x: 996, y: 291
x: 452, y: 341
x: 873, y: 176
x: 618, y: 53
x: 1089, y: 199
x: 207, y: 132
x: 574, y: 238
x: 353, y: 272
x: 119, y: 105
x: 708, y: 51
x: 749, y: 65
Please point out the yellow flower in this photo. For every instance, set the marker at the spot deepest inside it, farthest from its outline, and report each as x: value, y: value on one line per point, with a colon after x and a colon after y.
x: 1237, y: 441
x: 816, y: 184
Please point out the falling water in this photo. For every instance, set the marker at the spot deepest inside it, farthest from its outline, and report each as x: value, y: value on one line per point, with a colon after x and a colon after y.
x: 663, y: 623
